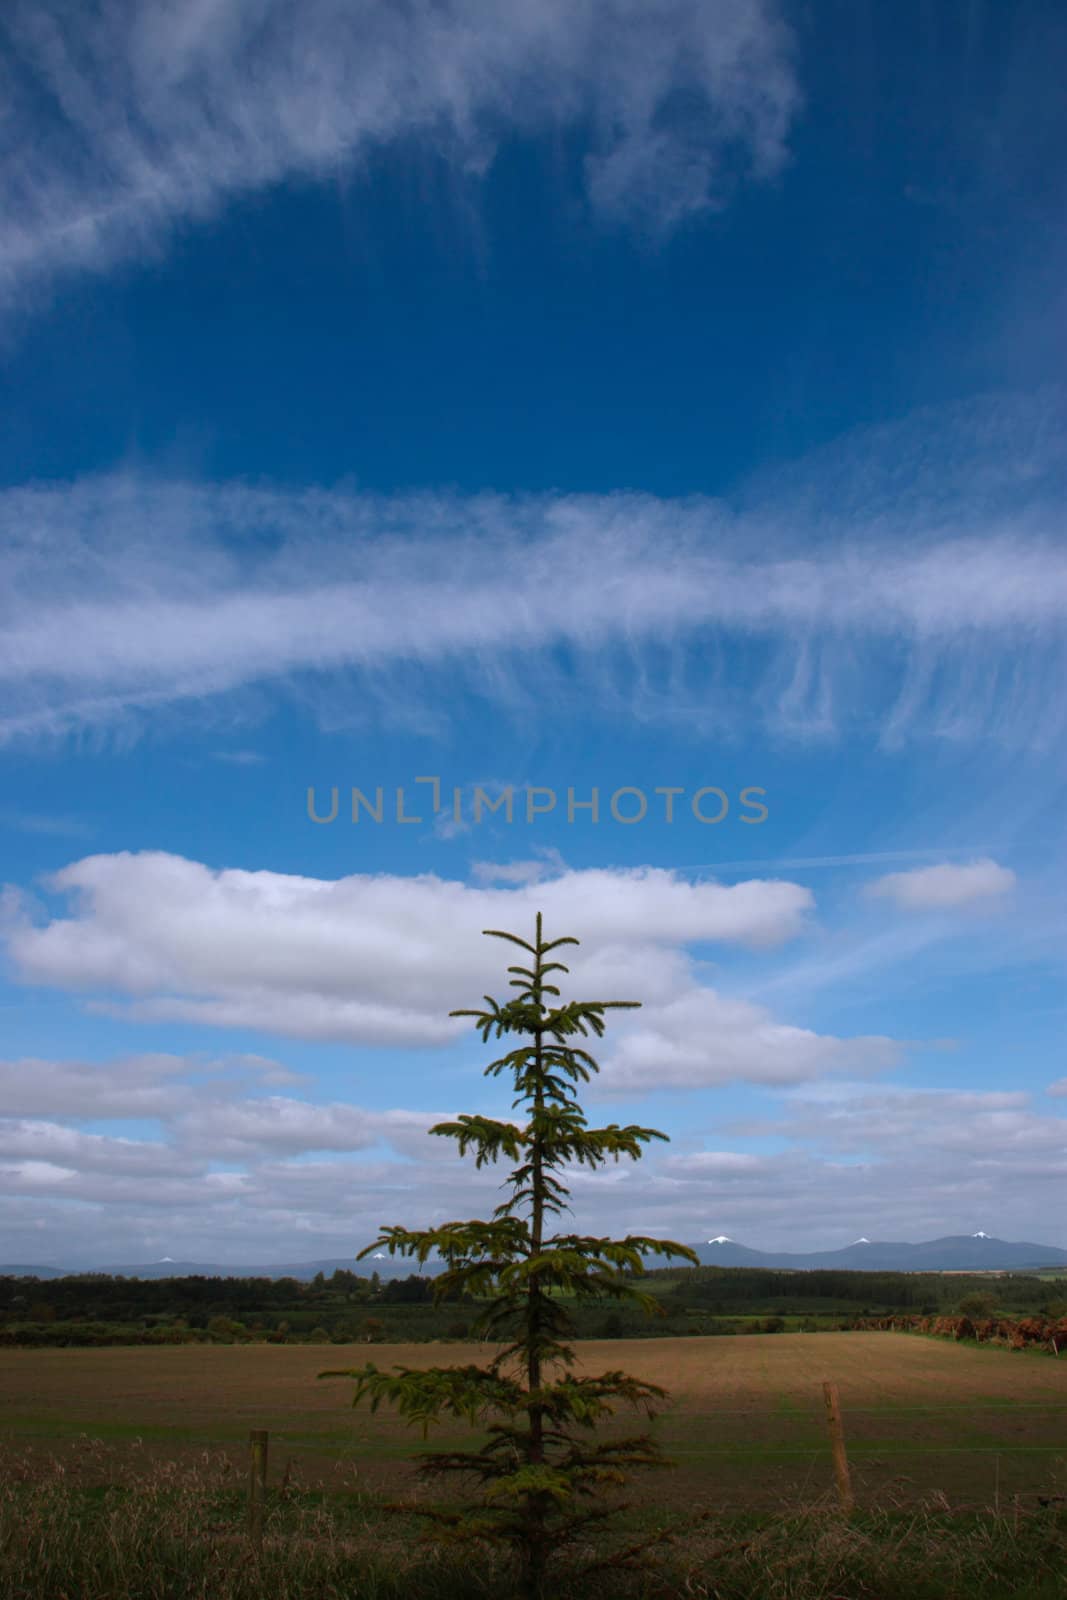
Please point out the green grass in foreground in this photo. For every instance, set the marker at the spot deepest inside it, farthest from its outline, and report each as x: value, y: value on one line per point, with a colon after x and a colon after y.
x: 179, y: 1534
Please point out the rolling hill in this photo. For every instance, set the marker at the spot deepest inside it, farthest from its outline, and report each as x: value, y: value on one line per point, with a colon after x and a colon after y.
x: 954, y: 1253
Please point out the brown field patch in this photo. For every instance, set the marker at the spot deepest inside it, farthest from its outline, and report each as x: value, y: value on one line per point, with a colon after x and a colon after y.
x: 744, y: 1421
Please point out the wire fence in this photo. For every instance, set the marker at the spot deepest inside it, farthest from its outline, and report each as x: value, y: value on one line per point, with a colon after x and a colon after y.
x: 968, y: 1456
x: 999, y: 1457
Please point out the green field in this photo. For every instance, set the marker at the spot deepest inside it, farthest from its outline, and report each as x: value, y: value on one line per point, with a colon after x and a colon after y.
x: 745, y: 1423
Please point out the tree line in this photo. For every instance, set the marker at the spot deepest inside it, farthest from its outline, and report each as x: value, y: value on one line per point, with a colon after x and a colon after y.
x: 348, y: 1307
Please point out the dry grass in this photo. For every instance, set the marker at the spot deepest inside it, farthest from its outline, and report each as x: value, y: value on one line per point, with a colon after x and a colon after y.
x: 179, y: 1534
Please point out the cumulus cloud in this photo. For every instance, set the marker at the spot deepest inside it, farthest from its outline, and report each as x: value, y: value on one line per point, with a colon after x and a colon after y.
x: 371, y: 959
x: 126, y: 120
x: 900, y: 615
x: 944, y: 886
x: 704, y: 1038
x: 379, y: 962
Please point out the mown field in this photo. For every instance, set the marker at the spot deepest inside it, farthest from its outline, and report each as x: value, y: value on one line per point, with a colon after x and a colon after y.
x: 745, y: 1422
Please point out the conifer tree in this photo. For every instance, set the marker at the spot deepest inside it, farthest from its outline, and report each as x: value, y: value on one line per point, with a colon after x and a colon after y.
x: 541, y: 1463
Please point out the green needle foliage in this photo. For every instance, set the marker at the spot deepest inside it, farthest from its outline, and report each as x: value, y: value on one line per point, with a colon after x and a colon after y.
x: 542, y: 1462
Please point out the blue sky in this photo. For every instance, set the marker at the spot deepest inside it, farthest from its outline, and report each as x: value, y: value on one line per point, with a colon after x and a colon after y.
x: 614, y: 396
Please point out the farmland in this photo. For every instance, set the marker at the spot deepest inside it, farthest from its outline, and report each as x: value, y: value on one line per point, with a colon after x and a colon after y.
x: 745, y: 1421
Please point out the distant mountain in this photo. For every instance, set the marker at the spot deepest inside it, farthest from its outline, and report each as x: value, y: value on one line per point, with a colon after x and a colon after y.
x: 386, y: 1267
x: 955, y: 1253
x: 32, y: 1272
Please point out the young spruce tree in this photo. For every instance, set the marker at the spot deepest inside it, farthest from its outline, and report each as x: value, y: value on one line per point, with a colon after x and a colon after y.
x: 541, y: 1459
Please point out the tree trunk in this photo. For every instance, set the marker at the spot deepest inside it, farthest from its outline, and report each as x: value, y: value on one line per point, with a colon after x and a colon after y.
x: 536, y: 1553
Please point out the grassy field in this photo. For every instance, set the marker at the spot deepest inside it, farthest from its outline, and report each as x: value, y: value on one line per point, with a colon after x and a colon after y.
x: 123, y: 1475
x: 745, y: 1422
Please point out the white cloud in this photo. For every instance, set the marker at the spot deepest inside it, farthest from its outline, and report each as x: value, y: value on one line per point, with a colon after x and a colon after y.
x: 549, y: 863
x: 127, y: 120
x: 126, y: 597
x: 372, y: 959
x: 861, y: 1159
x: 69, y: 1149
x: 45, y: 824
x: 32, y: 1175
x: 854, y: 1117
x: 703, y: 1038
x: 380, y: 961
x: 146, y: 1085
x: 945, y: 886
x: 282, y: 1126
x: 456, y: 814
x: 858, y: 1159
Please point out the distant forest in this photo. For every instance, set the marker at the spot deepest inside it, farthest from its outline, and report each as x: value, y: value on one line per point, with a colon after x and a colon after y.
x: 94, y: 1309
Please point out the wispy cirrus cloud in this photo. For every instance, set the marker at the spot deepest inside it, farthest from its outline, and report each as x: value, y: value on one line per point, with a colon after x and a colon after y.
x: 810, y: 615
x: 46, y: 823
x: 129, y: 119
x: 240, y: 758
x: 548, y: 863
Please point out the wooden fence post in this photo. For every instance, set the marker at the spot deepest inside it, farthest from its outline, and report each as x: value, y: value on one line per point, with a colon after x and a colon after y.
x: 257, y: 1484
x: 837, y: 1445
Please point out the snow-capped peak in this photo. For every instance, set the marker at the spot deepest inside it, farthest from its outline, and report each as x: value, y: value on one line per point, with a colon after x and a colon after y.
x: 861, y: 1241
x: 979, y: 1235
x: 720, y: 1238
x: 161, y: 1260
